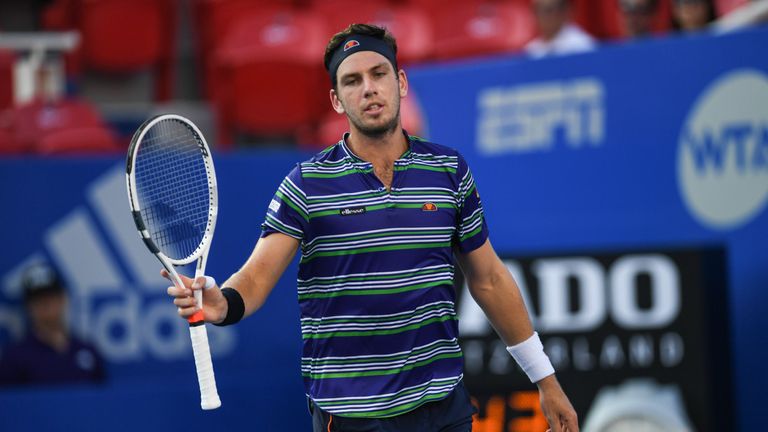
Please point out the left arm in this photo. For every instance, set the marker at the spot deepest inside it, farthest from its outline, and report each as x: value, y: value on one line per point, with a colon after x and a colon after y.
x: 497, y: 293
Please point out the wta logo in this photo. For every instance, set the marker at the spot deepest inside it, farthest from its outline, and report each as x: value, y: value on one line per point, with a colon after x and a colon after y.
x: 723, y: 151
x: 351, y: 44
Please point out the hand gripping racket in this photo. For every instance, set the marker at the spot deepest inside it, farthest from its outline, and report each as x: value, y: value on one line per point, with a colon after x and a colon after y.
x: 174, y: 202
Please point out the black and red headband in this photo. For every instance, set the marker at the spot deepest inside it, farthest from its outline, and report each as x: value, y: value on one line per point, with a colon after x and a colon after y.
x: 357, y: 43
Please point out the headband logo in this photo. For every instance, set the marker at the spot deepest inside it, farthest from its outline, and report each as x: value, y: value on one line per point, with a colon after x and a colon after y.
x: 351, y: 44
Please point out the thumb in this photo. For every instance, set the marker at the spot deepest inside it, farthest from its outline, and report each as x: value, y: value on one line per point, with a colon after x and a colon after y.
x: 184, y: 279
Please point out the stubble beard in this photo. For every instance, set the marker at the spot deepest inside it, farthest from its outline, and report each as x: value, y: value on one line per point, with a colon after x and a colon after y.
x: 379, y: 131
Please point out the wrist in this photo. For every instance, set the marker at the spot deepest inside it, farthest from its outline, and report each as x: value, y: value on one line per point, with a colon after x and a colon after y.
x: 235, y: 307
x: 530, y: 355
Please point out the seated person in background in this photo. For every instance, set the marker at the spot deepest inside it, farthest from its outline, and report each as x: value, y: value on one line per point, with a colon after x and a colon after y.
x: 637, y: 17
x: 557, y: 34
x: 48, y: 354
x: 693, y: 15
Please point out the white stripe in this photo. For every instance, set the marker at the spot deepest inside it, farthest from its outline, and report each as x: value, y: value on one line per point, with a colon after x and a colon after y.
x: 358, y: 233
x: 385, y: 241
x: 435, y: 342
x: 394, y: 272
x: 438, y: 381
x: 447, y: 303
x: 396, y: 283
x: 380, y: 365
x: 330, y: 328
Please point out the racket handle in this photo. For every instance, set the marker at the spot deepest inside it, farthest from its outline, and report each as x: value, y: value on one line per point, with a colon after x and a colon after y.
x: 209, y: 396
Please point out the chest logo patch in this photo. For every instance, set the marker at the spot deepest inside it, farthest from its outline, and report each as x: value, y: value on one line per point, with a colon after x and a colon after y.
x: 351, y: 211
x: 428, y: 206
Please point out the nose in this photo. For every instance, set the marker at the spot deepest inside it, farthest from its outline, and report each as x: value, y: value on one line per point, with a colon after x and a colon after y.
x: 369, y: 87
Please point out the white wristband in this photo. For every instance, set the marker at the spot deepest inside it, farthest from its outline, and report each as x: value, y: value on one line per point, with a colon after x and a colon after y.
x: 209, y: 282
x: 530, y: 355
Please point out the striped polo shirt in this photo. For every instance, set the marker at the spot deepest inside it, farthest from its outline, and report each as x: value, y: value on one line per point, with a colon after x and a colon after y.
x: 375, y: 282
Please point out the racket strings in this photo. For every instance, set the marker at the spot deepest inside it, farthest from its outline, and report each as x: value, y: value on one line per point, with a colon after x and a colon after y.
x: 173, y: 188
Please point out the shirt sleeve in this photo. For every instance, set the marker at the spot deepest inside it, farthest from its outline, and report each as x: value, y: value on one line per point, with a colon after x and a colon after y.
x: 287, y: 212
x: 472, y: 230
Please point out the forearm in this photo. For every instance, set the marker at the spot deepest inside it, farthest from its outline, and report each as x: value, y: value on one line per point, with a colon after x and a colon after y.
x: 256, y: 278
x: 499, y: 297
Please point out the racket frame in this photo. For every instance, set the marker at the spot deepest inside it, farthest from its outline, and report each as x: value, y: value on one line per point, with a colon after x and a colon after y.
x: 206, y: 379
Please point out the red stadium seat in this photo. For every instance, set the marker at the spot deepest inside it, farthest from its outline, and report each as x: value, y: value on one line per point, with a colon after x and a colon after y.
x: 270, y: 74
x: 121, y: 36
x: 723, y: 7
x: 78, y: 141
x: 213, y: 20
x: 480, y: 27
x: 31, y: 124
x: 409, y: 24
x: 7, y: 59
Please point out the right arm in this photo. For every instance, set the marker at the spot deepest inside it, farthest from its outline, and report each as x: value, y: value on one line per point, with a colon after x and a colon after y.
x: 254, y: 281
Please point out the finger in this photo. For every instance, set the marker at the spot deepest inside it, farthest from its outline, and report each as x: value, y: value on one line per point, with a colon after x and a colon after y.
x: 185, y: 302
x: 175, y: 291
x: 186, y: 312
x: 187, y: 281
x: 571, y: 423
x: 202, y: 282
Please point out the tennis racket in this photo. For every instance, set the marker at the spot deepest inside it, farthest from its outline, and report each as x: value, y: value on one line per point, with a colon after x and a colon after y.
x: 174, y: 202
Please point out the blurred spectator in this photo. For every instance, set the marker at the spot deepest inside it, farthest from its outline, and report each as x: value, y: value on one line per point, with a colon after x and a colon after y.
x: 637, y: 17
x: 49, y: 353
x: 693, y: 15
x: 557, y: 33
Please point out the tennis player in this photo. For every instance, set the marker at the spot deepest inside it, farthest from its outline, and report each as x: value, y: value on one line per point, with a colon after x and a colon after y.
x: 380, y: 217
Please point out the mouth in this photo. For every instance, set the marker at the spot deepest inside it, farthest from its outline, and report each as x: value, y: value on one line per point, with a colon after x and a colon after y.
x: 373, y: 108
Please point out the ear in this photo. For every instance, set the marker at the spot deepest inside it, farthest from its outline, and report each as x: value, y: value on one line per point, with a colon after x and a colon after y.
x: 402, y: 81
x: 336, y: 102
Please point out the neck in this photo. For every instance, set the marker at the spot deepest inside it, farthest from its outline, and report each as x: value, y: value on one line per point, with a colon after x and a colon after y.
x: 383, y: 149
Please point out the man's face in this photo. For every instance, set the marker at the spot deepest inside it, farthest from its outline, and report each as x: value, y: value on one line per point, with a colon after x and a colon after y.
x: 638, y: 16
x: 368, y: 91
x: 47, y: 310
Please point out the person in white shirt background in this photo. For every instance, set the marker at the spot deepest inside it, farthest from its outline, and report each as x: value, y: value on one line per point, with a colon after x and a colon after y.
x: 557, y: 33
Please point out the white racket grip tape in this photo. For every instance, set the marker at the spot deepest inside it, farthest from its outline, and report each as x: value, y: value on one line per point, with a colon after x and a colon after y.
x: 209, y: 396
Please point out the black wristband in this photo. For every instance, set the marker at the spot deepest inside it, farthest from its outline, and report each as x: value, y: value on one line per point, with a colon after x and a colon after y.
x: 235, y: 307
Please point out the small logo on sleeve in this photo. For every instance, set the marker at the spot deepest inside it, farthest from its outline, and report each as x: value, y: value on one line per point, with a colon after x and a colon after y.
x: 274, y: 206
x: 428, y: 206
x: 351, y: 211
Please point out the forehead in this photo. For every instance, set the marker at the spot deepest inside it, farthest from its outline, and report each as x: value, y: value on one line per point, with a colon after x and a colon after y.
x: 360, y: 62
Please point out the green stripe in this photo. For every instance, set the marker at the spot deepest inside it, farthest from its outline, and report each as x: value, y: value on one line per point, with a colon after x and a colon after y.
x: 354, y: 401
x: 380, y: 332
x: 375, y: 291
x: 313, y: 215
x: 422, y: 192
x: 377, y: 277
x: 338, y: 174
x: 375, y: 249
x: 345, y: 198
x: 382, y: 371
x: 283, y: 227
x: 296, y: 191
x: 392, y: 412
x: 394, y: 317
x: 471, y: 233
x: 290, y: 203
x: 425, y: 167
x: 377, y: 235
x: 375, y: 359
x: 471, y: 220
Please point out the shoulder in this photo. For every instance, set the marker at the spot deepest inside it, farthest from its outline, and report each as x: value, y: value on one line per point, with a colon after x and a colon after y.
x: 423, y: 147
